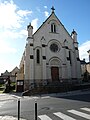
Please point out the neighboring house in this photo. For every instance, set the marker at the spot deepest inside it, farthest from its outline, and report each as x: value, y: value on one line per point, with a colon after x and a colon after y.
x: 12, y: 75
x: 20, y: 76
x: 88, y: 67
x: 4, y: 76
x: 85, y: 68
x: 51, y: 55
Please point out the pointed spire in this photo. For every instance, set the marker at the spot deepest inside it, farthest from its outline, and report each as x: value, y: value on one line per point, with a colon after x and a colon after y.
x: 30, y: 30
x: 52, y: 9
x: 74, y: 32
x: 74, y: 35
x: 30, y: 25
x: 89, y: 54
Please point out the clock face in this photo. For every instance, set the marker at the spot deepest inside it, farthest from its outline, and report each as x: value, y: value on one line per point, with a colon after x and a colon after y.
x: 54, y: 47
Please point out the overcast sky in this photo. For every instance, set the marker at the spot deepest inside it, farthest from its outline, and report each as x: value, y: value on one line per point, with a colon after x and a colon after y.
x: 15, y: 15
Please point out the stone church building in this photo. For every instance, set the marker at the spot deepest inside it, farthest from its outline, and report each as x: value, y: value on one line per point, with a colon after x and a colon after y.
x: 51, y: 55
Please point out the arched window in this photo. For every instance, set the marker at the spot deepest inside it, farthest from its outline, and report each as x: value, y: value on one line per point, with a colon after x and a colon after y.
x: 38, y: 56
x: 53, y: 28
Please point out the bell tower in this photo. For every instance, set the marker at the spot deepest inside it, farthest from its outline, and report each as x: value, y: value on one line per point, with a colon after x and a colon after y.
x: 76, y: 53
x: 29, y: 59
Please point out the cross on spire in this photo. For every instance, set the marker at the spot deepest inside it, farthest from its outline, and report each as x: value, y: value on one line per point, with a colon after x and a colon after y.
x: 52, y: 9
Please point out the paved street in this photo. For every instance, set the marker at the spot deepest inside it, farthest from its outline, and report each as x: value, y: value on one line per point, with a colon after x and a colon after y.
x: 4, y: 99
x: 64, y: 106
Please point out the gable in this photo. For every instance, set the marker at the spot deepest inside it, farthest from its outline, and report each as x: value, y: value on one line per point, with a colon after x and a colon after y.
x: 50, y: 20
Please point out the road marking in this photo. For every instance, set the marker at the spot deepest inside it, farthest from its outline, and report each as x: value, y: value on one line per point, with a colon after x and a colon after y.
x: 81, y: 114
x: 86, y: 109
x: 44, y: 117
x: 63, y: 116
x: 67, y: 117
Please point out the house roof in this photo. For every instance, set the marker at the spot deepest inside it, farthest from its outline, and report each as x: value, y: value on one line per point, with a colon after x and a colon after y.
x: 15, y: 69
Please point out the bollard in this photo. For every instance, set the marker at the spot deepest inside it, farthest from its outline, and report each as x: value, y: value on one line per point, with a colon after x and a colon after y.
x: 35, y: 110
x: 18, y: 109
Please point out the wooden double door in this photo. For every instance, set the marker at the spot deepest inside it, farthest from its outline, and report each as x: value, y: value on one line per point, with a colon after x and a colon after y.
x: 55, y: 74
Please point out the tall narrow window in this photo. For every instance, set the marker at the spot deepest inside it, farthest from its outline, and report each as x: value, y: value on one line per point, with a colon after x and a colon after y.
x: 38, y: 56
x: 53, y: 28
x: 70, y: 57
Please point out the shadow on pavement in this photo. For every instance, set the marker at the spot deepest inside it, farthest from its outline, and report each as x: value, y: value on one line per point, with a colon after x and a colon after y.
x: 78, y: 97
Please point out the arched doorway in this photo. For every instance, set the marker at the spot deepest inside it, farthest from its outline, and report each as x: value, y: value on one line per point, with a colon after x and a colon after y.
x: 55, y: 73
x: 55, y: 69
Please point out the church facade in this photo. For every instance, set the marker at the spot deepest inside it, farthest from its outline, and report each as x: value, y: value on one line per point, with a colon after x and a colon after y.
x: 51, y: 54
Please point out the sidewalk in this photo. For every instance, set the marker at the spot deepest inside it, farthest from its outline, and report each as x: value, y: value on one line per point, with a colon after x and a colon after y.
x: 9, y: 118
x: 69, y: 93
x: 6, y: 97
